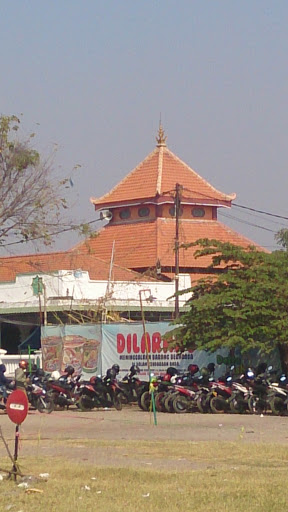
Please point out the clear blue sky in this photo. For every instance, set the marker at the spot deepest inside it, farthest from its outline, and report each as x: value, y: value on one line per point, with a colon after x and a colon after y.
x: 96, y: 74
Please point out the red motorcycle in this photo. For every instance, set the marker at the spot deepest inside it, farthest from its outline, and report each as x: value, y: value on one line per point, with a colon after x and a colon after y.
x: 218, y: 399
x: 184, y: 399
x: 98, y: 393
x: 64, y: 391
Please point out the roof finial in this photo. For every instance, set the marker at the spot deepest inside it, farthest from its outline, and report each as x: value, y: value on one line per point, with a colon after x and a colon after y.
x: 161, y: 139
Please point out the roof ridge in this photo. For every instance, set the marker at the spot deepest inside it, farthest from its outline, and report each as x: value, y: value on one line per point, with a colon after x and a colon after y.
x: 228, y: 197
x: 160, y: 169
x: 93, y: 200
x: 31, y: 255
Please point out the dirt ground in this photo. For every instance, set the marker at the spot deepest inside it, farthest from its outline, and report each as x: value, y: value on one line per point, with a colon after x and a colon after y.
x: 61, y: 432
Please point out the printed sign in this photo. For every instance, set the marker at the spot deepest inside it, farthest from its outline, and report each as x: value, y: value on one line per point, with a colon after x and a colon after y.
x: 17, y: 406
x: 75, y: 345
x: 93, y: 348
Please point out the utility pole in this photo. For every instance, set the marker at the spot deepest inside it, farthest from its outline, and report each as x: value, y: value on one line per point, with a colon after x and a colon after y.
x: 177, y: 203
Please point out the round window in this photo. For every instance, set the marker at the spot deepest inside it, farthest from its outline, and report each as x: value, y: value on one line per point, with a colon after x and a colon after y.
x: 144, y: 211
x: 198, y: 212
x: 172, y: 211
x: 125, y: 214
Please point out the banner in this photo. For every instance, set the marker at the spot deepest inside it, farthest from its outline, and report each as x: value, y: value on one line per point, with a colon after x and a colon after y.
x: 93, y: 348
x: 75, y: 345
x: 125, y: 344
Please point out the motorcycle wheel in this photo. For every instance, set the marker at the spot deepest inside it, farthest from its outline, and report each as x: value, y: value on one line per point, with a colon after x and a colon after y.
x: 159, y: 398
x: 237, y: 406
x: 203, y: 404
x: 85, y: 403
x: 123, y: 398
x: 278, y: 406
x: 145, y: 401
x: 45, y: 404
x: 256, y: 405
x: 218, y: 405
x: 117, y: 403
x: 168, y: 402
x: 180, y: 404
x: 57, y: 406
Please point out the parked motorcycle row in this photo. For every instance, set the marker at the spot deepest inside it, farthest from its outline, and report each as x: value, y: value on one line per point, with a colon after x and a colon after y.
x: 256, y: 391
x: 47, y: 392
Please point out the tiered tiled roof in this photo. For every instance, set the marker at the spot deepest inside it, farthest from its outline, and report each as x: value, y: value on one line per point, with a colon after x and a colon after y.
x: 51, y: 262
x: 139, y: 246
x: 156, y: 176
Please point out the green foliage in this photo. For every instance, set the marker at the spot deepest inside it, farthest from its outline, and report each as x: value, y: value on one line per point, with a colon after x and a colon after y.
x: 243, y: 305
x: 282, y: 238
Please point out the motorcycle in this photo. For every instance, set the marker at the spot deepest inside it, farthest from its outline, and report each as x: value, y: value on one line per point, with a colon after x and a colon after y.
x: 258, y: 402
x: 241, y: 393
x: 37, y: 396
x: 220, y: 393
x: 203, y: 397
x: 278, y: 396
x: 65, y: 390
x: 40, y: 399
x: 131, y: 386
x: 98, y: 393
x: 184, y: 399
x: 200, y: 387
x: 161, y: 387
x: 167, y: 389
x: 5, y: 391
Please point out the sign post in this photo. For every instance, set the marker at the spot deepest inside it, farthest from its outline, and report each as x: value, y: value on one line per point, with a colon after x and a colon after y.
x: 17, y: 410
x: 151, y: 381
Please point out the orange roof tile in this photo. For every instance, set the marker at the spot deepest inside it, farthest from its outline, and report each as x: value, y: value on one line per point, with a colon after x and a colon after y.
x: 157, y: 175
x: 51, y: 262
x: 140, y: 245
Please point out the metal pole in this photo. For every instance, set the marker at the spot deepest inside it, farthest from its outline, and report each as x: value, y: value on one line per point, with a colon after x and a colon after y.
x: 45, y: 304
x: 144, y: 331
x: 14, y: 469
x: 178, y: 191
x: 151, y: 389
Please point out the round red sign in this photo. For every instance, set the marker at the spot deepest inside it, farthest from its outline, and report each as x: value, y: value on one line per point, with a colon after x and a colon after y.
x: 17, y: 406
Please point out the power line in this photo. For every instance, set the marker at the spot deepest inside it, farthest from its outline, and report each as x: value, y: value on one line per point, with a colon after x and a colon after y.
x: 248, y: 223
x: 238, y: 205
x: 260, y: 211
x: 71, y: 228
x: 170, y: 192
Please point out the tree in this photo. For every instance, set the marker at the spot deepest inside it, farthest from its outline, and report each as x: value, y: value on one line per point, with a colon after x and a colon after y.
x: 282, y: 238
x: 32, y: 199
x: 245, y: 305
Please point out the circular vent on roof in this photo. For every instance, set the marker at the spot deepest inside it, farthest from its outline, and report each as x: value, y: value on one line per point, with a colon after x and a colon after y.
x: 198, y: 212
x: 172, y: 211
x: 125, y: 214
x: 144, y: 211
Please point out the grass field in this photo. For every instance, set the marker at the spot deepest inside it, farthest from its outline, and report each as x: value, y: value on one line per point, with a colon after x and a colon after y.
x: 222, y: 476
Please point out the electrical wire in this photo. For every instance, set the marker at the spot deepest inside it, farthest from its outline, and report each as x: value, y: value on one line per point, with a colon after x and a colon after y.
x: 260, y: 211
x: 172, y: 193
x: 248, y: 223
x: 70, y: 228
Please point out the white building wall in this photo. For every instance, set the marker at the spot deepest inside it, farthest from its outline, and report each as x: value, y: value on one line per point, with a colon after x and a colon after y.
x: 75, y: 287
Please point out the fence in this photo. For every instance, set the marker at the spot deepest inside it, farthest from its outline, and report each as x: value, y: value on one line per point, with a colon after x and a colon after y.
x: 12, y: 361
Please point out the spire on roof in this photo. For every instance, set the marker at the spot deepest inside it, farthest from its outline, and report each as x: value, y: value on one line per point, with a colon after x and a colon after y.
x: 161, y: 139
